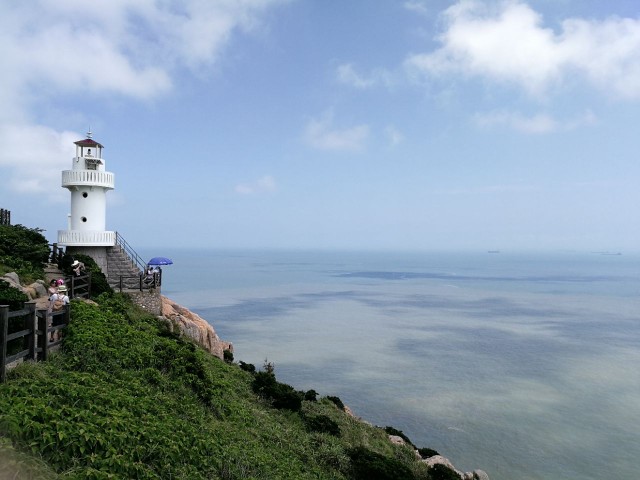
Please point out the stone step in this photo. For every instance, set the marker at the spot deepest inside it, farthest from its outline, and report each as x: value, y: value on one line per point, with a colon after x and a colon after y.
x: 121, y: 265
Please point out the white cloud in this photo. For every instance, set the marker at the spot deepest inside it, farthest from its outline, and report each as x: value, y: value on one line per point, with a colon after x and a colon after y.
x: 394, y: 135
x: 347, y: 74
x: 266, y: 184
x: 132, y: 49
x: 321, y: 134
x: 536, y: 124
x: 36, y: 155
x: 507, y: 42
x: 416, y: 6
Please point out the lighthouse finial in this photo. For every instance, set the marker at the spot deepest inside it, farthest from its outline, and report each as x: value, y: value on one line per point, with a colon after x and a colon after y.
x: 89, y: 132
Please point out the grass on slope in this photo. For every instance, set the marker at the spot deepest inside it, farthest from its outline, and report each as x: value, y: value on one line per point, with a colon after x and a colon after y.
x: 128, y: 399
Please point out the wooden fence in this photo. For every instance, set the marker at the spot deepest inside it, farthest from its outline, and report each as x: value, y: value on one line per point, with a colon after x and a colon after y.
x: 5, y: 217
x: 57, y: 253
x: 79, y: 286
x: 32, y: 327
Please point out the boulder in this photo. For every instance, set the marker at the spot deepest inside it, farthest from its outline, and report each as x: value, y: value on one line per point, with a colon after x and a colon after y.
x: 29, y: 292
x: 39, y: 288
x: 13, y: 279
x: 193, y: 326
x: 396, y: 440
x: 480, y: 475
x: 32, y: 291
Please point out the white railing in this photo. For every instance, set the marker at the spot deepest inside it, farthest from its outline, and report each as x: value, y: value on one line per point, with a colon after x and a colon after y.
x: 88, y: 177
x: 76, y: 238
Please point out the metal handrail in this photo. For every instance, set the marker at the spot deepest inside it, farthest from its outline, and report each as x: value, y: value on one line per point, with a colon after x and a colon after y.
x: 137, y: 259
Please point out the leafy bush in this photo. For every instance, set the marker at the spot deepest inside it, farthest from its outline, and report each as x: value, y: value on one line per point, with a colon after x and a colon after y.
x: 282, y: 396
x: 247, y: 367
x: 311, y: 395
x: 399, y: 433
x: 11, y: 296
x: 427, y: 452
x: 336, y: 400
x: 24, y: 249
x: 369, y: 465
x: 322, y: 424
x: 227, y: 356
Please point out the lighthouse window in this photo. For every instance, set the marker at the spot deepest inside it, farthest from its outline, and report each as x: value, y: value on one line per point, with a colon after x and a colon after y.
x: 84, y: 219
x: 85, y: 195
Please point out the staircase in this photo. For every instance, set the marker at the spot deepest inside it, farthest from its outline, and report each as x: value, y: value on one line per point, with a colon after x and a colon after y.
x: 122, y: 269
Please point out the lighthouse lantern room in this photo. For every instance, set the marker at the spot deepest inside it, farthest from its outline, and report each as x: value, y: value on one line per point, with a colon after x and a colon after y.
x: 88, y: 182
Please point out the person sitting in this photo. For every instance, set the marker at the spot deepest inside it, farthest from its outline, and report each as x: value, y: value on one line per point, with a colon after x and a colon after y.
x: 148, y: 275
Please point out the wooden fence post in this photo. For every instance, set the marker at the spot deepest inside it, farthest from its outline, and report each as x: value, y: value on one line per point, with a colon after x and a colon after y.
x: 67, y: 315
x: 30, y: 324
x: 4, y: 329
x: 42, y: 334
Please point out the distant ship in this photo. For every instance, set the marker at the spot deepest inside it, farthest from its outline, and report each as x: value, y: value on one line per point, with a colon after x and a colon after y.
x: 493, y: 251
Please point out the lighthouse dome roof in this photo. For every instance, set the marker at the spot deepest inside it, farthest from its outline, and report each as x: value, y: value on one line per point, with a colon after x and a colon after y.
x: 88, y: 142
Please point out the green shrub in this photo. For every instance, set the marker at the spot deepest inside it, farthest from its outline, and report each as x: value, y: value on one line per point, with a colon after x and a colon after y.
x: 23, y: 248
x: 399, y: 433
x: 322, y: 424
x: 427, y: 452
x: 369, y: 465
x: 282, y: 396
x: 311, y: 395
x: 227, y: 356
x: 248, y: 367
x: 336, y: 400
x: 11, y: 296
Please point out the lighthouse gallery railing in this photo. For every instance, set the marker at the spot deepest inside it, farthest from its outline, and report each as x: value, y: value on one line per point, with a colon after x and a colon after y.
x: 88, y: 177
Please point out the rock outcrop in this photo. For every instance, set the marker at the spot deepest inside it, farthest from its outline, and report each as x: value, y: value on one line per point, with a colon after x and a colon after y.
x: 440, y: 460
x: 192, y: 326
x: 36, y: 291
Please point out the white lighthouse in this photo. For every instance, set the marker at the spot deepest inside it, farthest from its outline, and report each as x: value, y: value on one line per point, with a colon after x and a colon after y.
x: 88, y: 182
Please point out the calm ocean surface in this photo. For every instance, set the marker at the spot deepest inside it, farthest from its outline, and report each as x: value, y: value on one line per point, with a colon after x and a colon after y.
x: 525, y: 366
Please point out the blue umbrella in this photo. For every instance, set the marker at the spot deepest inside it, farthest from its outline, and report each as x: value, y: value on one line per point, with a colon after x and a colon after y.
x: 160, y: 261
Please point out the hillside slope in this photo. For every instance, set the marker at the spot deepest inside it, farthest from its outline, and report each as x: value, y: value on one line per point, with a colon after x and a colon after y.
x: 128, y: 399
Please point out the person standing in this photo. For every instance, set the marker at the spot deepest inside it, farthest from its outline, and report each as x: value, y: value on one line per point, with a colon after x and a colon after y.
x: 57, y: 301
x: 78, y: 268
x: 53, y: 287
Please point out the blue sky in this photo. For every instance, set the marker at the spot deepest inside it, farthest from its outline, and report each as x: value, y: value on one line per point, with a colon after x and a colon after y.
x: 432, y: 124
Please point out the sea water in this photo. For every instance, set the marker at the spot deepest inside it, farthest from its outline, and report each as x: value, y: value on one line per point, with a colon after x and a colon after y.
x: 523, y: 365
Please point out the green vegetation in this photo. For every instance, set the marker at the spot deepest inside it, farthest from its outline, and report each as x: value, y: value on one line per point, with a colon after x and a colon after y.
x: 23, y: 250
x: 11, y: 296
x: 127, y: 398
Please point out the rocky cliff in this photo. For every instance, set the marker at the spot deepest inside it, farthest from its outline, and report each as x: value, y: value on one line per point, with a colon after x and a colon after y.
x: 193, y: 326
